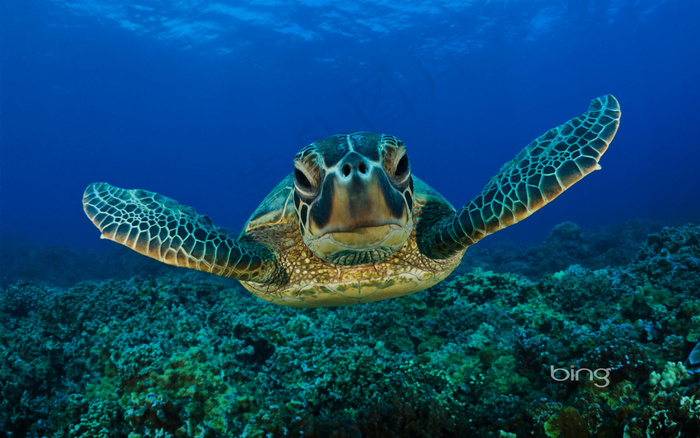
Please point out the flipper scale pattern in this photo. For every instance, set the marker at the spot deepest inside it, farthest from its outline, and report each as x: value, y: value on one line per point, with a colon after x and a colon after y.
x: 161, y: 228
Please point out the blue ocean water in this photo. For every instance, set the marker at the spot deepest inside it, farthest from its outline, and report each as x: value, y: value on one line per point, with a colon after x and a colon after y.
x: 207, y: 102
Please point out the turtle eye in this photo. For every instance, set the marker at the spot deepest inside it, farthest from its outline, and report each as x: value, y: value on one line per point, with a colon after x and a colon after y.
x: 402, y: 167
x: 301, y: 180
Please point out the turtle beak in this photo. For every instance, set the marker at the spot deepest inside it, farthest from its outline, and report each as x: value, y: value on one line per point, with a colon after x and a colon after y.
x: 359, y: 209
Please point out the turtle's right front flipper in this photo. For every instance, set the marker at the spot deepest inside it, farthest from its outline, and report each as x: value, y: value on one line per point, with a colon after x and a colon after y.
x: 161, y: 228
x: 549, y: 165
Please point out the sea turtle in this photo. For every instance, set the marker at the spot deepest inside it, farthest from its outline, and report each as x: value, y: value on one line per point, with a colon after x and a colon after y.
x: 351, y: 224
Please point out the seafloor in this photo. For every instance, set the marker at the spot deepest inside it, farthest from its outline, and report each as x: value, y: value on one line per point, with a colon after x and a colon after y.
x: 145, y: 350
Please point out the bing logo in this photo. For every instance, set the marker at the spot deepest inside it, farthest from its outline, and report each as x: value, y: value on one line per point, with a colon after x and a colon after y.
x: 574, y: 375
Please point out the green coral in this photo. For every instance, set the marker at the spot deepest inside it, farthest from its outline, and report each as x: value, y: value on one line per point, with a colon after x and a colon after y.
x: 193, y: 355
x: 671, y: 376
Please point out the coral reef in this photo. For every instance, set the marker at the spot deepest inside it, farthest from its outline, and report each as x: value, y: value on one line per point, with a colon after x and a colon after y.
x: 566, y: 245
x: 601, y: 346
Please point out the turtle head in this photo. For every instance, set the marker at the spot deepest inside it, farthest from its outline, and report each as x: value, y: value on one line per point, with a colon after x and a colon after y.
x: 353, y: 194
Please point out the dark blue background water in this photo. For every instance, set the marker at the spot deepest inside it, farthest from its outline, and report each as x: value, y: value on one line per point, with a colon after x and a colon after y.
x: 207, y: 102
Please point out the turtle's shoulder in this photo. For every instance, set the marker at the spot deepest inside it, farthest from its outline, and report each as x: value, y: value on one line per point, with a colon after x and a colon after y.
x: 276, y: 208
x: 426, y: 196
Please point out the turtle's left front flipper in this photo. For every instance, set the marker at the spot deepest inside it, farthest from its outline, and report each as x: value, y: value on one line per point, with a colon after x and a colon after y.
x: 539, y: 173
x: 161, y: 228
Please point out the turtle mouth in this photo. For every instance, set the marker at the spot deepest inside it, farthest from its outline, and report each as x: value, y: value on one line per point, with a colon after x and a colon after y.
x: 360, y: 245
x: 366, y: 237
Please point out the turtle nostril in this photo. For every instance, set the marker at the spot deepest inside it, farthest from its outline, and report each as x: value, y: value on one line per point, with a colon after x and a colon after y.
x: 346, y: 169
x: 362, y: 167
